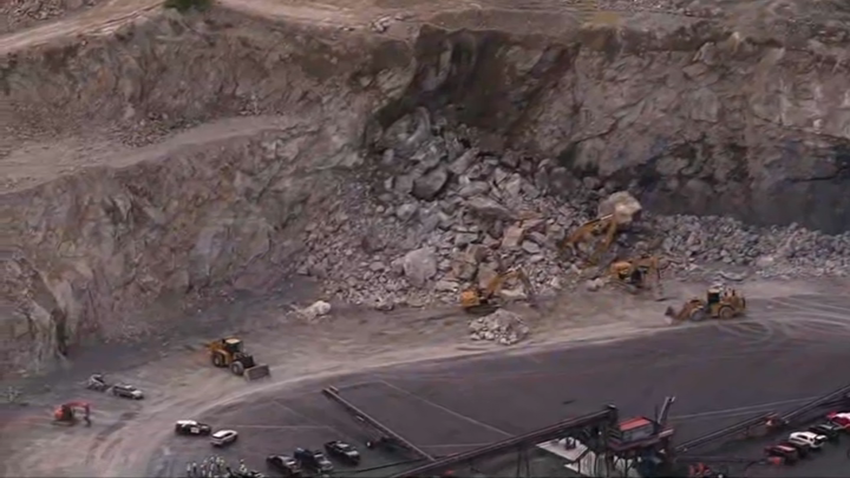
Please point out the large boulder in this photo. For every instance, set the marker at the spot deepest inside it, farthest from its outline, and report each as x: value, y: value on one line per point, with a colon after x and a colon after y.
x: 420, y: 266
x: 625, y: 208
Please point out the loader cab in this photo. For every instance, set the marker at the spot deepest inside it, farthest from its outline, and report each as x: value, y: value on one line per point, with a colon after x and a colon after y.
x: 232, y: 346
x: 713, y: 295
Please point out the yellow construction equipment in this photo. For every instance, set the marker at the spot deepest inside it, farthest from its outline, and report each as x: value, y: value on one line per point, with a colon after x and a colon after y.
x: 720, y: 303
x: 602, y: 231
x: 230, y: 353
x: 476, y: 300
x: 637, y: 274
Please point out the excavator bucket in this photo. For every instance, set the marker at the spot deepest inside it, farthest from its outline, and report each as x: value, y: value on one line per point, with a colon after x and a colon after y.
x: 257, y: 372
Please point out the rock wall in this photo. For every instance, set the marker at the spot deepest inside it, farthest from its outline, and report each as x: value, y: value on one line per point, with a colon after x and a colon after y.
x: 691, y: 121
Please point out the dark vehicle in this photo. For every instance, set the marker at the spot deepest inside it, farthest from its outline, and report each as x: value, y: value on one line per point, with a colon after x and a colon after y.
x: 831, y: 431
x: 127, y: 391
x: 788, y: 455
x: 342, y: 451
x: 802, y: 450
x: 286, y: 465
x: 191, y: 427
x: 313, y: 460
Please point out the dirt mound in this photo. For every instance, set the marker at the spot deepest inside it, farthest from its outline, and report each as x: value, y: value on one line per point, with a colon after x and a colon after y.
x: 179, y: 153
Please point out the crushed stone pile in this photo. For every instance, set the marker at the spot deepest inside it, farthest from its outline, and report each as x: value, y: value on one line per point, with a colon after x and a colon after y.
x: 502, y: 326
x: 18, y: 14
x: 437, y: 215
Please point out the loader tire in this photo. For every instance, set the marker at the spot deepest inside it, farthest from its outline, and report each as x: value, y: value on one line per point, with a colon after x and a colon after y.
x: 237, y: 368
x: 726, y: 313
x: 217, y: 360
x: 697, y: 315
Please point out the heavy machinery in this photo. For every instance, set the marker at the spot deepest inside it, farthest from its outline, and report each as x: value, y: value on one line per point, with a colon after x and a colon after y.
x: 476, y: 300
x: 230, y: 352
x: 66, y: 414
x: 637, y: 274
x: 720, y: 303
x: 615, y: 213
x: 98, y: 383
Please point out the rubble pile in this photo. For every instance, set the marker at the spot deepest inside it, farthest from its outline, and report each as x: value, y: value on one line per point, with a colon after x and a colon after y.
x: 437, y: 215
x: 502, y: 326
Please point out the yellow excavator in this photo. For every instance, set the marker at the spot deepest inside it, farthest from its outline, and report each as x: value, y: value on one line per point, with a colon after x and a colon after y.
x: 637, y: 274
x: 720, y: 303
x: 230, y: 352
x: 481, y: 301
x: 602, y: 230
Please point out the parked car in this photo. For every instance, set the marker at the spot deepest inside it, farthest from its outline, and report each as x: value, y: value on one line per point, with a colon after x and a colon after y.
x: 342, y: 451
x: 809, y: 439
x: 284, y: 464
x: 315, y: 461
x: 842, y: 419
x: 191, y: 427
x: 788, y: 455
x: 223, y: 437
x: 831, y: 431
x: 127, y: 391
x: 802, y: 449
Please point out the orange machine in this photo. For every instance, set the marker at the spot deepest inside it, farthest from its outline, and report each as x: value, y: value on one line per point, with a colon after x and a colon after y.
x: 66, y: 414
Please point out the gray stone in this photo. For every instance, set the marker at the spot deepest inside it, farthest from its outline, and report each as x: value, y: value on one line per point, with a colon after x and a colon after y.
x: 420, y: 266
x: 463, y: 238
x: 474, y: 188
x: 460, y: 165
x: 530, y: 247
x: 406, y: 212
x: 513, y: 237
x: 427, y: 187
x: 488, y: 208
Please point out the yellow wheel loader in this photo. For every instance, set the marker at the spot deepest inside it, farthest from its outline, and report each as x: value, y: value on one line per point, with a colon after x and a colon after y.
x: 720, y: 303
x: 483, y: 301
x: 230, y: 353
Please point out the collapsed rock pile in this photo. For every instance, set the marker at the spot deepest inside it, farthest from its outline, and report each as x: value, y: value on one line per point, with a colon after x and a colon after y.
x: 502, y: 326
x: 437, y: 215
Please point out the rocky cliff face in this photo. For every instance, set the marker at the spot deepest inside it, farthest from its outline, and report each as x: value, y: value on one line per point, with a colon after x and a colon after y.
x: 691, y: 119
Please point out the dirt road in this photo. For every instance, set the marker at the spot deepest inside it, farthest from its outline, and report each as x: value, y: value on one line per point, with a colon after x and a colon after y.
x: 179, y: 383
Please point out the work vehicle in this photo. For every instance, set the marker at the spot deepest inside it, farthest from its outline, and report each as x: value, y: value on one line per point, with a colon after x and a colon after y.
x: 285, y: 465
x: 191, y: 427
x: 789, y: 455
x: 637, y: 274
x: 615, y: 214
x: 484, y: 301
x: 314, y: 461
x: 66, y: 414
x: 127, y: 391
x: 831, y: 431
x: 230, y: 352
x: 812, y: 440
x: 342, y: 451
x: 223, y: 437
x: 720, y: 303
x: 803, y: 449
x: 97, y: 383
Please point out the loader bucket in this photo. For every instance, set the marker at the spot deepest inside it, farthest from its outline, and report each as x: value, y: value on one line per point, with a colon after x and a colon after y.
x: 257, y: 372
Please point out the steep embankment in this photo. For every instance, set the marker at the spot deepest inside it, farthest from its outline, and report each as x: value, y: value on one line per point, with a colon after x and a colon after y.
x: 693, y: 121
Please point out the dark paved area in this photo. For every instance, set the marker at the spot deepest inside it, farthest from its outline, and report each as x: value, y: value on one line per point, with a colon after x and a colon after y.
x: 720, y: 374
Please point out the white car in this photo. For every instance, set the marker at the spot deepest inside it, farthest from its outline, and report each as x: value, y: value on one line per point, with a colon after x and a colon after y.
x: 223, y: 437
x: 809, y: 439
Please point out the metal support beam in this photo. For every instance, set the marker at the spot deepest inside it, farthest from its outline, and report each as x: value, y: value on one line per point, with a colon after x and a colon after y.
x: 362, y: 417
x: 608, y: 416
x: 813, y: 405
x: 723, y: 433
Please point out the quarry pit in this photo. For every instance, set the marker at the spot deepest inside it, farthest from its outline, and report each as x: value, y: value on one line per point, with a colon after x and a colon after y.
x: 167, y: 176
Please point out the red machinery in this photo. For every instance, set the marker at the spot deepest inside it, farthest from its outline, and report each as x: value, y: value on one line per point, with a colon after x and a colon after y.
x: 66, y: 414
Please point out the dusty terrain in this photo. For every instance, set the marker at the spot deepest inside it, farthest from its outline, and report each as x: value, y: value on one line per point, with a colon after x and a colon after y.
x: 166, y: 179
x: 805, y: 332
